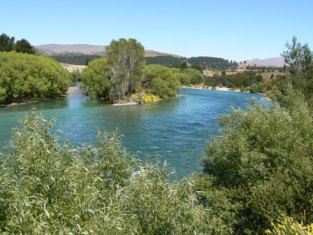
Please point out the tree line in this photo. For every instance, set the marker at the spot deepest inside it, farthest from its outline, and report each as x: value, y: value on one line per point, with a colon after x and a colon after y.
x: 8, y: 43
x: 200, y: 62
x: 74, y: 58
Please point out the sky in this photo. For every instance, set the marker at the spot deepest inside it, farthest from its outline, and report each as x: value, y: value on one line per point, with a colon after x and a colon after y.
x: 235, y: 30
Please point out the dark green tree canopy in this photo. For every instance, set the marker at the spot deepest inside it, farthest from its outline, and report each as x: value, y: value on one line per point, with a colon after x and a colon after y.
x: 24, y: 46
x: 6, y: 43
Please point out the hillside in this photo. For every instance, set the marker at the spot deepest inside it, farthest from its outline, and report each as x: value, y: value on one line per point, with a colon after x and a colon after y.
x: 81, y: 54
x: 151, y: 53
x: 85, y: 49
x: 273, y: 61
x: 58, y: 49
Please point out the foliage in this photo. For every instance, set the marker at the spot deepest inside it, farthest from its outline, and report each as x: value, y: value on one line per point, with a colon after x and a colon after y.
x: 95, y: 78
x: 117, y: 75
x: 263, y: 159
x: 289, y: 226
x: 195, y: 76
x: 200, y: 62
x: 169, y: 61
x: 205, y: 62
x: 24, y: 46
x: 24, y: 76
x: 247, y: 80
x: 299, y: 69
x: 299, y: 59
x: 6, y: 42
x: 75, y: 58
x: 126, y: 62
x: 161, y: 81
x: 53, y: 188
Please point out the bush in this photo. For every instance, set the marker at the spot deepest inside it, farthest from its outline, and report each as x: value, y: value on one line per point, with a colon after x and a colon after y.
x: 95, y: 78
x: 289, y: 226
x: 161, y: 81
x: 263, y: 160
x: 24, y: 76
x: 51, y: 188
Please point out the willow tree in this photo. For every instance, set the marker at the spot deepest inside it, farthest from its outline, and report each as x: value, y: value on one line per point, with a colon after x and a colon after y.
x: 126, y: 61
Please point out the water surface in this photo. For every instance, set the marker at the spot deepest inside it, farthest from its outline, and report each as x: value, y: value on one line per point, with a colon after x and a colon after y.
x: 177, y: 129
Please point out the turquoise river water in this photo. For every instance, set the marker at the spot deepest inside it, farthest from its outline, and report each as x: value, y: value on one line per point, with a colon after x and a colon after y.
x: 175, y: 130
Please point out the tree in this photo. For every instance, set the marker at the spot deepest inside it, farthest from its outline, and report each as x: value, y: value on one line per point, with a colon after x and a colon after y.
x: 299, y: 70
x: 24, y: 46
x: 184, y: 64
x: 161, y: 81
x: 96, y: 79
x: 299, y: 59
x: 196, y: 77
x: 6, y: 43
x: 126, y: 62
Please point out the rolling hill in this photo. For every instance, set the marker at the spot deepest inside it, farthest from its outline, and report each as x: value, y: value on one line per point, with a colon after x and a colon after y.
x: 85, y: 49
x: 273, y: 61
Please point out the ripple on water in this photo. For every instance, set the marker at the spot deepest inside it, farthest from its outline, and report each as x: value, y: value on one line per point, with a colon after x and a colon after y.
x: 176, y: 129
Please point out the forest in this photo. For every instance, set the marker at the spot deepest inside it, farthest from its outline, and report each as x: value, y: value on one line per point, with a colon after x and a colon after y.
x: 257, y: 173
x: 73, y: 58
x: 200, y: 62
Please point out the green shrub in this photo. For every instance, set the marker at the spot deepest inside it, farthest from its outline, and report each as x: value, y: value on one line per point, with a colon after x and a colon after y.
x: 288, y: 226
x: 24, y: 76
x: 263, y: 160
x: 48, y: 187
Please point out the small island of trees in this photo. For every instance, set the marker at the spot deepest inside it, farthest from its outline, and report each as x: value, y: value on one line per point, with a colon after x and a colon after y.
x: 123, y: 72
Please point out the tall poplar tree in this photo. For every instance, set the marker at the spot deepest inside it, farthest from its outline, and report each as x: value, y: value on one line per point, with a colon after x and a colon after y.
x: 126, y: 60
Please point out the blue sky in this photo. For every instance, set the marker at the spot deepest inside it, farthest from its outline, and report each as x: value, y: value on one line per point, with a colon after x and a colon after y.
x: 238, y: 30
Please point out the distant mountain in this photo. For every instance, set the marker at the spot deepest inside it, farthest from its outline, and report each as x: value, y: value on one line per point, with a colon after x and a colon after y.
x: 85, y: 49
x: 273, y: 61
x: 59, y: 49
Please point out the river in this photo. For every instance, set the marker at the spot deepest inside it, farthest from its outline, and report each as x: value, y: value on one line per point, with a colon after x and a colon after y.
x: 174, y: 130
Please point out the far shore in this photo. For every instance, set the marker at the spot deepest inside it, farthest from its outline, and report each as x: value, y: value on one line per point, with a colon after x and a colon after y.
x: 75, y: 89
x: 214, y: 89
x: 225, y: 89
x: 125, y: 103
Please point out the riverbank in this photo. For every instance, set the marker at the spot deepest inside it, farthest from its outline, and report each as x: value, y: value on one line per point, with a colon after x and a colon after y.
x: 225, y: 89
x: 23, y: 102
x: 70, y: 90
x: 213, y: 88
x: 125, y: 103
